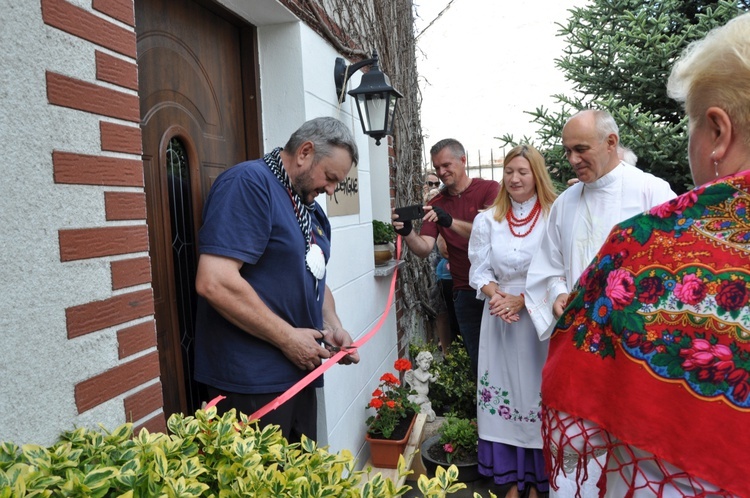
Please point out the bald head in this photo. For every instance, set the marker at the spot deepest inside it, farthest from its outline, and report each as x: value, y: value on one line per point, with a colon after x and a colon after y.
x: 590, y: 140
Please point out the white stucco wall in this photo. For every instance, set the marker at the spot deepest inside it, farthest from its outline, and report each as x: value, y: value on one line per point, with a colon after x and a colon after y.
x: 40, y: 366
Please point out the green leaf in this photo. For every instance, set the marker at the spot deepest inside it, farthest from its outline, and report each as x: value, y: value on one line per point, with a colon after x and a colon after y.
x: 161, y: 465
x: 99, y: 476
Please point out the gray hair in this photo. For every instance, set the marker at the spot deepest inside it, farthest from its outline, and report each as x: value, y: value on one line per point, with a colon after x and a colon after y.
x: 627, y: 155
x: 603, y: 120
x: 451, y: 143
x: 325, y: 133
x: 715, y: 71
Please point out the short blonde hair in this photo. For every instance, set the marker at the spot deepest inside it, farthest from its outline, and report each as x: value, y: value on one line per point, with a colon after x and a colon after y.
x: 544, y: 190
x: 715, y: 71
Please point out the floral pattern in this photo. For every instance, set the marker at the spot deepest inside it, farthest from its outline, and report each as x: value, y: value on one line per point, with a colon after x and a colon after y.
x: 671, y: 289
x: 496, y: 401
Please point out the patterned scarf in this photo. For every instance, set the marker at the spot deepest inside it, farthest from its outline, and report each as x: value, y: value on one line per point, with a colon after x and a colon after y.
x: 302, y: 210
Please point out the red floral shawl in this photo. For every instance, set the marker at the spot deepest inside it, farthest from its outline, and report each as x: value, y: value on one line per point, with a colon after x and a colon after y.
x: 654, y: 346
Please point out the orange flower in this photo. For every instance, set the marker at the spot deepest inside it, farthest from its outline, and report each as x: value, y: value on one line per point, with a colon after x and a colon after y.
x: 390, y: 404
x: 376, y: 403
x: 402, y: 365
x: 377, y: 393
x: 389, y: 378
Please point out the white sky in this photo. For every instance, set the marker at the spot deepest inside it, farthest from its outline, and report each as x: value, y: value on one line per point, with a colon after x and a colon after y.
x: 484, y: 63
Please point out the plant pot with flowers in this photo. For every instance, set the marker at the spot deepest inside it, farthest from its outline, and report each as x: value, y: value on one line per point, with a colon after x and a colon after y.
x: 388, y: 430
x: 455, y: 444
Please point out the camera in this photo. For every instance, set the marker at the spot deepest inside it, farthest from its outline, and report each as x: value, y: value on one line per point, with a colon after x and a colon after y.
x: 410, y: 212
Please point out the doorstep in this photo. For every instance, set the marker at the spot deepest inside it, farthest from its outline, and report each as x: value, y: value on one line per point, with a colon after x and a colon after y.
x: 412, y: 447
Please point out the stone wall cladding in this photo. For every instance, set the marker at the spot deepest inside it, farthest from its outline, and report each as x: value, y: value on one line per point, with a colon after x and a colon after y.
x: 113, y: 96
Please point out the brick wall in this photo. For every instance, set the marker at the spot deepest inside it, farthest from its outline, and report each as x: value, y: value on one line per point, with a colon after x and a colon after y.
x: 115, y: 61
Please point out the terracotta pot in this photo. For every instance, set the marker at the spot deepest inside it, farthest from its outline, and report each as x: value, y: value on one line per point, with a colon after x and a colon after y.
x: 384, y: 452
x: 383, y: 254
x: 467, y: 472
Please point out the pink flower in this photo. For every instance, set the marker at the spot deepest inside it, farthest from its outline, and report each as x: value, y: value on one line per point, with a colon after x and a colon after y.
x: 691, y: 291
x: 620, y: 289
x: 448, y: 448
x: 662, y: 210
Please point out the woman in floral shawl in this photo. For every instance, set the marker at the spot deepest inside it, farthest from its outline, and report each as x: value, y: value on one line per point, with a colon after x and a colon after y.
x: 650, y: 363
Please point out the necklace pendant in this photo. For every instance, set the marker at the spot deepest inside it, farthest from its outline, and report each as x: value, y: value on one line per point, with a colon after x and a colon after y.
x: 316, y: 261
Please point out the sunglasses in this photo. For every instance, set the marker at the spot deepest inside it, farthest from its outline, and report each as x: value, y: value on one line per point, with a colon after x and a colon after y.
x: 432, y: 184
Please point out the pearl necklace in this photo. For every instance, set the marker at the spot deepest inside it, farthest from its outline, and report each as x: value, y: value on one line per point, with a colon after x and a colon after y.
x: 514, y: 222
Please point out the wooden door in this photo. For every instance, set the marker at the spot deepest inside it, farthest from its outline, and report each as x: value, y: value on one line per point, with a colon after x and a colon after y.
x: 197, y: 87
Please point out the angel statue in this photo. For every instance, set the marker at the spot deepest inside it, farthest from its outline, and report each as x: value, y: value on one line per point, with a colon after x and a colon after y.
x: 419, y: 380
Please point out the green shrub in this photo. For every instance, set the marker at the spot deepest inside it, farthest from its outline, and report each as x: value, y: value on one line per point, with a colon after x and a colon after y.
x: 204, y: 456
x: 382, y: 233
x: 459, y: 437
x: 456, y: 388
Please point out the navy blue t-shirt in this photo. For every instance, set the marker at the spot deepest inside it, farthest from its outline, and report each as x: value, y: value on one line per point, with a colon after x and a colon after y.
x: 249, y: 216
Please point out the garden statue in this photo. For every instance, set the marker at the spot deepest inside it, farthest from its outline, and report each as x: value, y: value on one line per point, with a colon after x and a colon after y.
x: 419, y: 380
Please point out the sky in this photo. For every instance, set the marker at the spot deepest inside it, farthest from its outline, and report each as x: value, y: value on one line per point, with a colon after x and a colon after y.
x: 482, y: 64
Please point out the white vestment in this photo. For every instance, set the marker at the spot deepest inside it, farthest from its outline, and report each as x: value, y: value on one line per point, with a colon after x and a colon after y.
x: 579, y: 222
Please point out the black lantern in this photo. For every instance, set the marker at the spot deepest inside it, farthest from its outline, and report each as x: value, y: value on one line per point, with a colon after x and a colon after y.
x: 376, y: 98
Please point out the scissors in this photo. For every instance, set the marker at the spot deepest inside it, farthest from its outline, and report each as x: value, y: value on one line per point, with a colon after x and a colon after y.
x: 335, y: 349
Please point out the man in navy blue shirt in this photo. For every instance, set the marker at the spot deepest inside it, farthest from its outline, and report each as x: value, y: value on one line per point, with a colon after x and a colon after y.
x: 263, y: 302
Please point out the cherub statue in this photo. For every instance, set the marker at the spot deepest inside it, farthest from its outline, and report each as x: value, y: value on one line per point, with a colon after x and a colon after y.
x: 419, y: 380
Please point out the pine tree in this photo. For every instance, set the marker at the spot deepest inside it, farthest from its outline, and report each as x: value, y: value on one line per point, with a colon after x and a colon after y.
x: 619, y: 55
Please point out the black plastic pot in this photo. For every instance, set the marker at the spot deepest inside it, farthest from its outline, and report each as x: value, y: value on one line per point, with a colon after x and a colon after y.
x: 467, y: 472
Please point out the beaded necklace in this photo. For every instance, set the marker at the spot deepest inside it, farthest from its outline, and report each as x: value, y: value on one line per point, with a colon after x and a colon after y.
x: 514, y: 222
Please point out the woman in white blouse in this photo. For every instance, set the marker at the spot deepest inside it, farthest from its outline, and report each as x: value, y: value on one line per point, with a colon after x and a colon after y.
x: 511, y: 357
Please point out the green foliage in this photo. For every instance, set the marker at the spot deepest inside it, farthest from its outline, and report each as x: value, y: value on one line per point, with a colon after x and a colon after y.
x: 382, y: 233
x: 204, y: 456
x: 459, y: 437
x: 618, y: 56
x: 456, y: 388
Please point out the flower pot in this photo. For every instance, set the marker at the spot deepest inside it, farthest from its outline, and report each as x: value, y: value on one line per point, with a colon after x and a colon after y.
x: 383, y: 254
x: 385, y: 452
x: 467, y: 472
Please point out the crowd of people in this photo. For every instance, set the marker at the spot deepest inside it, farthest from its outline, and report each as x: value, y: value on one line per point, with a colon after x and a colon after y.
x: 613, y: 353
x: 607, y: 327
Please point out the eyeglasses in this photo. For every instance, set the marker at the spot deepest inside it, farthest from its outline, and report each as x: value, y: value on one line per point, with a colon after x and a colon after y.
x: 432, y: 184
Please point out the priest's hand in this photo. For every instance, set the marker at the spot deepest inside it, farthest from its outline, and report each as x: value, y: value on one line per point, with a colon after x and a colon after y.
x: 559, y: 305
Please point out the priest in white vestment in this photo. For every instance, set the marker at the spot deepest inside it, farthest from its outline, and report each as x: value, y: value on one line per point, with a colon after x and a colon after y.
x: 609, y: 191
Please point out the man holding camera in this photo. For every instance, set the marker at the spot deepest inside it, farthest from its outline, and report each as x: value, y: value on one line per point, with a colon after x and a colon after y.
x: 451, y: 214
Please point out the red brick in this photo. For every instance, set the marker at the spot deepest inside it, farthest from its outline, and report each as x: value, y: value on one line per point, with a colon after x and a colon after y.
x: 135, y: 339
x: 82, y: 169
x: 116, y: 71
x: 120, y: 138
x: 84, y: 243
x: 125, y: 205
x: 84, y: 96
x: 122, y: 378
x: 145, y: 401
x: 122, y: 10
x: 83, y: 24
x: 130, y: 272
x: 90, y: 317
x: 152, y: 425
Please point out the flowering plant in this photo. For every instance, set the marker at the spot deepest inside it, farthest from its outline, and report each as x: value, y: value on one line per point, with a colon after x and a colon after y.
x: 459, y: 438
x: 391, y: 403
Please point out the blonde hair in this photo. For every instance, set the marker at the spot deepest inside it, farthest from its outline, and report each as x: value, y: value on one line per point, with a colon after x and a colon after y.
x: 715, y: 71
x: 544, y: 190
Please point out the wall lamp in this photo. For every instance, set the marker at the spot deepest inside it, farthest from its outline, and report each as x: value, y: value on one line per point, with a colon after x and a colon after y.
x: 376, y: 98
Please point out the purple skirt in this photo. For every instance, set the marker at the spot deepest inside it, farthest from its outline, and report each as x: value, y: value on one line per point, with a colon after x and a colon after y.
x: 511, y: 464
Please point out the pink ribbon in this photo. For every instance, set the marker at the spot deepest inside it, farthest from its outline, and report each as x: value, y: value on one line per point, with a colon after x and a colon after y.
x: 307, y: 379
